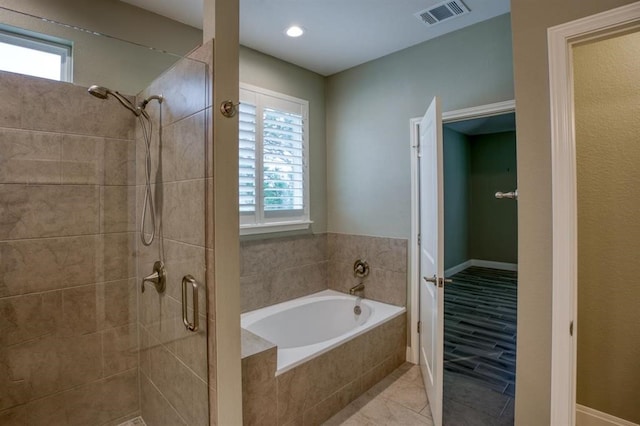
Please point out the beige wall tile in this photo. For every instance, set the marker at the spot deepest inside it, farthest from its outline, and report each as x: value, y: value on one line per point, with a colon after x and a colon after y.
x: 387, y: 259
x: 115, y: 257
x: 65, y: 262
x: 259, y: 401
x: 119, y: 166
x: 120, y: 349
x: 383, y: 341
x: 334, y: 403
x: 186, y: 392
x: 32, y: 211
x: 183, y: 211
x: 47, y: 365
x: 183, y: 88
x: 305, y: 386
x: 79, y: 310
x: 64, y: 107
x: 261, y: 256
x: 11, y: 106
x: 191, y: 347
x: 29, y: 157
x: 99, y: 402
x: 50, y: 410
x: 156, y: 410
x: 117, y: 303
x: 183, y: 149
x: 82, y: 159
x: 117, y: 209
x: 160, y: 315
x: 24, y: 318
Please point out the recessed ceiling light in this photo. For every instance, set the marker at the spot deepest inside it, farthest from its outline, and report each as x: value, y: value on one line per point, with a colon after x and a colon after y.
x: 294, y: 31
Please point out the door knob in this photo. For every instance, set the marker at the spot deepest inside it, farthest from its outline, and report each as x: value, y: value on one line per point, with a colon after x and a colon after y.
x: 440, y: 282
x: 433, y: 280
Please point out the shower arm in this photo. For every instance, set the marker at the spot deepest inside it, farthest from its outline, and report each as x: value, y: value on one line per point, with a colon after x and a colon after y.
x: 125, y: 103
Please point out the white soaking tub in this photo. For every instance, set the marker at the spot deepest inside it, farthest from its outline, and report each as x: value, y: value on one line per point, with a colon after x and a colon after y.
x: 306, y: 327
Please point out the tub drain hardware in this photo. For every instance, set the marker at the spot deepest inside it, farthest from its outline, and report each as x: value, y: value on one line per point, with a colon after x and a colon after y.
x: 357, y: 310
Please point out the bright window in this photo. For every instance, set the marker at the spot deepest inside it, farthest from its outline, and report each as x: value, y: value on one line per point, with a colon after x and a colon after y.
x: 273, y: 175
x: 33, y: 56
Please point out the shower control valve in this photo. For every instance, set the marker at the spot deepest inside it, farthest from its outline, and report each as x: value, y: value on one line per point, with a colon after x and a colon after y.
x: 360, y: 268
x: 158, y: 277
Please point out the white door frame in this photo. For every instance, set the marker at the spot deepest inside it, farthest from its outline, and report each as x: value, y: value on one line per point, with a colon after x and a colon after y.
x: 414, y: 251
x: 561, y: 39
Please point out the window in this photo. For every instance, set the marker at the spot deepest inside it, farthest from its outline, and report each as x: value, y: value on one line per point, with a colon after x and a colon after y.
x: 25, y: 54
x: 273, y: 174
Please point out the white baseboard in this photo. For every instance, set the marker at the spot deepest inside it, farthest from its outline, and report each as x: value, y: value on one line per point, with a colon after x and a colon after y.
x: 494, y: 265
x: 458, y: 268
x: 481, y: 263
x: 586, y: 416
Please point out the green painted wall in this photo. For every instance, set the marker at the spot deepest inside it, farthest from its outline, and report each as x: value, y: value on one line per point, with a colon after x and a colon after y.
x: 493, y: 223
x: 368, y: 113
x: 456, y: 198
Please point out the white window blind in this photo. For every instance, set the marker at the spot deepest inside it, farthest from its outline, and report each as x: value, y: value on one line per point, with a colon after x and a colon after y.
x: 273, y: 150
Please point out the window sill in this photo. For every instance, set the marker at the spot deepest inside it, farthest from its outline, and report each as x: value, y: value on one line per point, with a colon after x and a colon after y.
x: 268, y: 228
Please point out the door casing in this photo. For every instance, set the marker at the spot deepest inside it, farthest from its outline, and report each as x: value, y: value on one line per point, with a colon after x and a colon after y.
x: 414, y: 251
x: 564, y: 197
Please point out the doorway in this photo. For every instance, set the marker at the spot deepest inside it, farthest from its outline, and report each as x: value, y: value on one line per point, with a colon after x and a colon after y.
x: 480, y: 257
x: 488, y: 268
x: 571, y: 220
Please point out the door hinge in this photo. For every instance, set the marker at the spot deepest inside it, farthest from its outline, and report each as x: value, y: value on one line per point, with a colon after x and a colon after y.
x: 419, y: 239
x: 419, y: 326
x: 571, y: 328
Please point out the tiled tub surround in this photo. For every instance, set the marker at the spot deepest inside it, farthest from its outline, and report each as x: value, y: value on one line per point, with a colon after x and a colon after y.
x: 173, y: 361
x: 278, y: 269
x: 387, y: 259
x: 312, y: 392
x: 68, y: 339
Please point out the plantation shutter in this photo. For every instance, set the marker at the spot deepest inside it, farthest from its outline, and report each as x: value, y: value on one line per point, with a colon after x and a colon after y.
x: 247, y: 157
x: 283, y: 161
x: 273, y: 146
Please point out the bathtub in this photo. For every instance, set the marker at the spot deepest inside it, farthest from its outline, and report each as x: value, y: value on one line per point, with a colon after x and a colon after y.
x: 306, y: 327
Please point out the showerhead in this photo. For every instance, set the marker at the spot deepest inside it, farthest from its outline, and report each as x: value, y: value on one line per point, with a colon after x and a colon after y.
x: 99, y: 91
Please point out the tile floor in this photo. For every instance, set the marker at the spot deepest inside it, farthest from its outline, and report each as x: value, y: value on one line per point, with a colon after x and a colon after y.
x: 397, y: 400
x: 400, y: 400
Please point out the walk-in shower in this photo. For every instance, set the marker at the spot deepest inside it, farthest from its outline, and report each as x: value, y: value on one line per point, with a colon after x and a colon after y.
x: 79, y: 342
x: 146, y: 124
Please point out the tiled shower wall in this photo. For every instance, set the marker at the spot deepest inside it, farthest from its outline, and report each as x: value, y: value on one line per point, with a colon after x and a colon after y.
x: 278, y: 269
x: 173, y: 361
x: 68, y: 340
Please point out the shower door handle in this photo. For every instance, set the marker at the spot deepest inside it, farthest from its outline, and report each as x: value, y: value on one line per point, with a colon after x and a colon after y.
x: 187, y: 281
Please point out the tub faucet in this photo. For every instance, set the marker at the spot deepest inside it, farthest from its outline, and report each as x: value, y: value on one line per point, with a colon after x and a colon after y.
x: 357, y: 288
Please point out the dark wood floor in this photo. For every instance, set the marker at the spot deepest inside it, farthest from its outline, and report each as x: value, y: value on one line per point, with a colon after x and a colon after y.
x: 480, y: 327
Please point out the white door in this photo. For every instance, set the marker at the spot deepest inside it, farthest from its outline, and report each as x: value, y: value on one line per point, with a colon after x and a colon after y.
x: 431, y: 256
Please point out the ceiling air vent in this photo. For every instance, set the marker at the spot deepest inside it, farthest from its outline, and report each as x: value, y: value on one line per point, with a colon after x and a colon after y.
x: 442, y: 12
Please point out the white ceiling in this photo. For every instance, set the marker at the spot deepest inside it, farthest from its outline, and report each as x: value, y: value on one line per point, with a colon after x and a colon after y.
x: 339, y: 34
